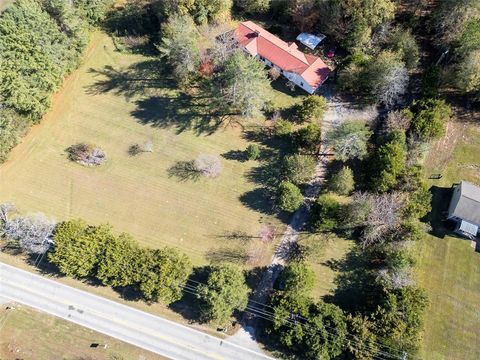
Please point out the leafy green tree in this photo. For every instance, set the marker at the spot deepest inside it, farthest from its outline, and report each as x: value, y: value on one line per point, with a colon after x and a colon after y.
x: 119, y: 262
x: 297, y: 277
x: 289, y: 197
x: 285, y: 306
x: 468, y: 74
x: 179, y: 45
x: 342, y: 181
x: 312, y: 108
x: 349, y: 140
x: 403, y: 43
x: 298, y: 168
x: 30, y: 73
x: 12, y: 128
x: 252, y: 152
x: 328, y: 330
x: 399, y: 319
x: 362, y: 344
x: 389, y: 162
x: 164, y: 272
x: 283, y: 127
x: 241, y: 85
x: 324, y: 213
x: 224, y: 292
x: 93, y: 10
x: 309, y: 137
x: 470, y: 37
x: 362, y: 17
x: 202, y: 11
x: 429, y: 117
x: 312, y: 330
x: 253, y: 6
x: 78, y: 247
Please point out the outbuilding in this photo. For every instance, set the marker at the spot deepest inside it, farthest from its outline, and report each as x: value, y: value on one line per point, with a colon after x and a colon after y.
x: 464, y: 209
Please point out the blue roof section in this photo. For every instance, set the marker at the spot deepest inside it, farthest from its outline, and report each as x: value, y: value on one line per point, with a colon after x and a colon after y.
x: 309, y: 40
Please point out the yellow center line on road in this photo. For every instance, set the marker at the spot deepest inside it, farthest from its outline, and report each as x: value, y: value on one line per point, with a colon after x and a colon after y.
x: 117, y: 321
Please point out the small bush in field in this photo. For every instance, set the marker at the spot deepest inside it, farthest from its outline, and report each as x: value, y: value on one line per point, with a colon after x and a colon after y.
x: 252, y: 152
x: 86, y: 154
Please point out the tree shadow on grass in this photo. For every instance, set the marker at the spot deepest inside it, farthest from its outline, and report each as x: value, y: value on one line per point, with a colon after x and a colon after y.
x: 184, y: 171
x: 440, y: 202
x: 236, y: 155
x: 355, y: 284
x: 136, y: 79
x: 189, y: 306
x: 183, y: 111
x: 231, y: 255
x: 259, y: 200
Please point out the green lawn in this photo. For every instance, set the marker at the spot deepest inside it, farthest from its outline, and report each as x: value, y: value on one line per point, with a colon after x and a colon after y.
x: 448, y: 267
x: 31, y: 335
x: 113, y: 101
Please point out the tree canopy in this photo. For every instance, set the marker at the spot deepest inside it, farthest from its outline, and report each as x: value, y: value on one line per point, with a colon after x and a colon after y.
x: 349, y: 140
x: 224, y: 292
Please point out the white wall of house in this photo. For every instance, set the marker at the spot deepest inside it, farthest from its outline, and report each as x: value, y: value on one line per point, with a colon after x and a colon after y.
x: 295, y: 78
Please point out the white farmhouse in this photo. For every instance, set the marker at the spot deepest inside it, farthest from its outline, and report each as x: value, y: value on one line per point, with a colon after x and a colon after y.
x: 304, y: 70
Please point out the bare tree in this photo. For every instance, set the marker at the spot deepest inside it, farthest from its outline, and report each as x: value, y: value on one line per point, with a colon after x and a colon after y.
x: 208, y: 165
x: 5, y: 210
x: 33, y: 232
x: 397, y: 120
x: 396, y: 278
x: 224, y: 45
x: 393, y: 86
x: 148, y: 146
x: 384, y: 217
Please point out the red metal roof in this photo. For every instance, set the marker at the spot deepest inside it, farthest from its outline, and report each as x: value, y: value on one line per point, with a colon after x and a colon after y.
x: 258, y: 41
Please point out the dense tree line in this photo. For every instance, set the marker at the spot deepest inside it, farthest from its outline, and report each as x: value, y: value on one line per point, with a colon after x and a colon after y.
x: 40, y: 43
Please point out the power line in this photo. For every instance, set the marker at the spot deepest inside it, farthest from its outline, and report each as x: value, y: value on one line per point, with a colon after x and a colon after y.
x: 270, y: 316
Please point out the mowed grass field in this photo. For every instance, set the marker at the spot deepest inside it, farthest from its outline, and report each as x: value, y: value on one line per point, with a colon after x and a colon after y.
x: 31, y: 335
x: 448, y: 267
x: 136, y: 194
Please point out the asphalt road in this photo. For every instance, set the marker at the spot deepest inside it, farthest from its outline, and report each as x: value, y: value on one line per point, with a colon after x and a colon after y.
x: 136, y: 327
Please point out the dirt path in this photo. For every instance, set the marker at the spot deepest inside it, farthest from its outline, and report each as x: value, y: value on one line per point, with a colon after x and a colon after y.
x: 337, y: 113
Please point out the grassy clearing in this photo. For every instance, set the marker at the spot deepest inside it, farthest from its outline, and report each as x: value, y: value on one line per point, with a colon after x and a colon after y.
x: 113, y: 101
x: 28, y: 334
x: 331, y: 253
x: 448, y: 267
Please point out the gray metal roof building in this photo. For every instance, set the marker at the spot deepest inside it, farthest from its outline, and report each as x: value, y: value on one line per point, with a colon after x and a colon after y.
x: 465, y: 207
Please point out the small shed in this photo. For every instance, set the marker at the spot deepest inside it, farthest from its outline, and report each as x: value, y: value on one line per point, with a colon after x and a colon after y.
x: 309, y: 40
x: 465, y: 208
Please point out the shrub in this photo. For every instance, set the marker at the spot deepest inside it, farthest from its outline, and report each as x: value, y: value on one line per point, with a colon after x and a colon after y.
x: 274, y: 73
x: 289, y: 197
x: 86, y: 154
x: 324, y: 213
x: 299, y: 168
x: 283, y: 128
x: 429, y: 117
x: 342, y: 182
x: 312, y: 108
x: 208, y: 165
x: 309, y: 137
x: 134, y: 150
x: 252, y: 152
x: 12, y: 128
